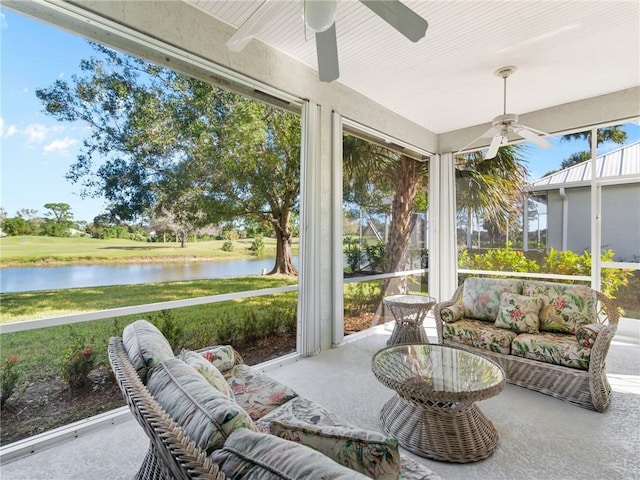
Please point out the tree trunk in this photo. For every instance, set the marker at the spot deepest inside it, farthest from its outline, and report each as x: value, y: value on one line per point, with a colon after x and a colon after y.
x: 406, y: 181
x: 284, y: 259
x: 469, y: 230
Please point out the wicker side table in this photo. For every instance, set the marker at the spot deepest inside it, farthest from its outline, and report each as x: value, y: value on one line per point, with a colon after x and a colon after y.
x: 433, y: 413
x: 409, y: 312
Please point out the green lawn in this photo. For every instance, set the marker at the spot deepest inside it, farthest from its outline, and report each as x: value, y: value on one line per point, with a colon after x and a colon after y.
x: 201, y: 325
x: 53, y: 303
x: 32, y: 249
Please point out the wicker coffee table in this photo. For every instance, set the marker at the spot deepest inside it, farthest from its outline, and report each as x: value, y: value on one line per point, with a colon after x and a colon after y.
x: 409, y: 312
x: 433, y: 413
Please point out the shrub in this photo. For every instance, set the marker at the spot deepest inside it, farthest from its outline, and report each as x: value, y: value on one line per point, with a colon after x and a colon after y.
x: 227, y: 246
x: 75, y: 364
x: 229, y: 233
x: 172, y: 331
x: 9, y: 375
x: 353, y: 253
x: 501, y: 259
x: 377, y: 255
x: 226, y: 330
x: 362, y: 297
x: 257, y: 246
x: 570, y: 263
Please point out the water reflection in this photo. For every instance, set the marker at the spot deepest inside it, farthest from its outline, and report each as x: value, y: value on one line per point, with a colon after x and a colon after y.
x: 50, y: 278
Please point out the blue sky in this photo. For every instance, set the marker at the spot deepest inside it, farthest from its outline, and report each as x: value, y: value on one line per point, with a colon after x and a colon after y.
x: 36, y: 150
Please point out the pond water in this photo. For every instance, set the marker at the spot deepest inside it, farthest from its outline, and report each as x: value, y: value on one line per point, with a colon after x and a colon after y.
x: 49, y: 278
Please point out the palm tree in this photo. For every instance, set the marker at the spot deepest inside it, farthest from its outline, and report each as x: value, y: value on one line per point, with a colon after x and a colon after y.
x: 371, y: 173
x: 490, y: 188
x: 613, y: 134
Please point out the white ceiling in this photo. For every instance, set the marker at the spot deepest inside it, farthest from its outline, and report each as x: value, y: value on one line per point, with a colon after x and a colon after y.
x: 564, y: 50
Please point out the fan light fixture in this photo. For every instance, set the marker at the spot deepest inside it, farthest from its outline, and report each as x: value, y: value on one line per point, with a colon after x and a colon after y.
x: 319, y: 15
x: 503, y: 125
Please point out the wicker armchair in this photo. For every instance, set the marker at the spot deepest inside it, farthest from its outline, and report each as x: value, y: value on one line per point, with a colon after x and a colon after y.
x: 172, y: 454
x: 586, y: 388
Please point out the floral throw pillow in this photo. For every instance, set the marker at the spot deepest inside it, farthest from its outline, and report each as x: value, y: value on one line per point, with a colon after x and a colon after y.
x: 519, y: 313
x: 222, y: 357
x: 481, y: 296
x: 208, y: 371
x: 369, y: 453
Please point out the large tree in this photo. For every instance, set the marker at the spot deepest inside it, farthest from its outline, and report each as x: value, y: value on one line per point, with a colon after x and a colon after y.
x: 163, y: 144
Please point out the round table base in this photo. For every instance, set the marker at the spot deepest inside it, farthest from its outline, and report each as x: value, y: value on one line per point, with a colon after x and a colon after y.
x: 407, y: 334
x: 459, y: 435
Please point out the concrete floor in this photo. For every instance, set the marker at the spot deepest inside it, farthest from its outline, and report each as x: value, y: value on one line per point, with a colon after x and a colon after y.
x: 540, y: 437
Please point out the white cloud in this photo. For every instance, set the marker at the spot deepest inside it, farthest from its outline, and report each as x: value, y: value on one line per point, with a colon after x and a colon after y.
x: 59, y: 146
x: 11, y: 129
x: 35, y: 133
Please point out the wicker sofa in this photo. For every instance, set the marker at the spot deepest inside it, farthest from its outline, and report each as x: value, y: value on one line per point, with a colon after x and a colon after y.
x: 208, y: 415
x: 549, y: 337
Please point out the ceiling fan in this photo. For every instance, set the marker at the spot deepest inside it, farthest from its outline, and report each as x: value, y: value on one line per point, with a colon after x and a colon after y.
x: 507, y: 123
x: 319, y: 16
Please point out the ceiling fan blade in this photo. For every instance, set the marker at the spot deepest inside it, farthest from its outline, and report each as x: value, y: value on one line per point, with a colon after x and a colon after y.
x: 327, y: 50
x: 400, y: 17
x: 252, y: 25
x: 495, y: 145
x: 528, y: 134
x: 488, y: 134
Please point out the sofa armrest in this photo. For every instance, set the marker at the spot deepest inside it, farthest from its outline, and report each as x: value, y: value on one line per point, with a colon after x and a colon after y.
x: 448, y: 311
x: 586, y: 335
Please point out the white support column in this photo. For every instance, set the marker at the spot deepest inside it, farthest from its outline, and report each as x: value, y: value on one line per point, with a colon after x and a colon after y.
x: 443, y: 255
x: 309, y: 317
x: 336, y: 215
x: 596, y: 235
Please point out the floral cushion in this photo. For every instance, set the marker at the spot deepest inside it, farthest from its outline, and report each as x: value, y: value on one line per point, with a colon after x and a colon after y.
x: 566, y: 307
x: 208, y: 371
x: 257, y: 393
x: 556, y: 348
x: 145, y: 346
x: 305, y: 410
x: 207, y: 415
x: 248, y: 455
x: 367, y: 452
x: 586, y: 335
x: 481, y: 296
x: 452, y: 313
x: 519, y: 313
x: 412, y: 470
x: 479, y: 334
x: 223, y: 357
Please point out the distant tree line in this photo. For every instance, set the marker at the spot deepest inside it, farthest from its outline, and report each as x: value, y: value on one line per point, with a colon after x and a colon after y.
x: 58, y: 221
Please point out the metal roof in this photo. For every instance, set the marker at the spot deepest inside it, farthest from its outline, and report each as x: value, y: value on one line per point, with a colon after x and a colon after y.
x: 623, y: 162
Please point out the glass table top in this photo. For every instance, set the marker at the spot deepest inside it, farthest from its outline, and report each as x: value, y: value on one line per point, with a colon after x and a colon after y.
x: 435, y: 368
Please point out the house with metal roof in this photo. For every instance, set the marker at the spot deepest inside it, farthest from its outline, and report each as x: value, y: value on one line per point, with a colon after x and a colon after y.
x: 616, y: 200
